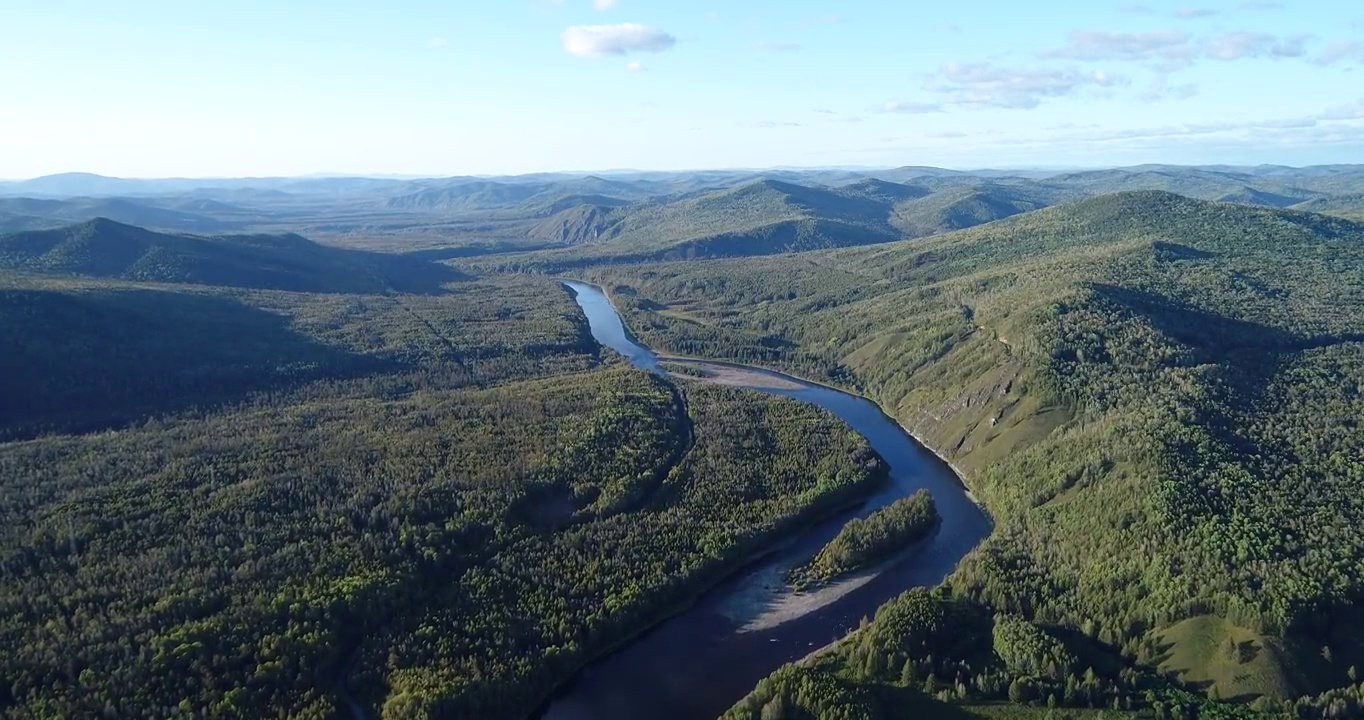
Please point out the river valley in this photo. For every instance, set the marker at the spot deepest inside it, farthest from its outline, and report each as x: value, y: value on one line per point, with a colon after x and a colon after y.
x: 698, y: 663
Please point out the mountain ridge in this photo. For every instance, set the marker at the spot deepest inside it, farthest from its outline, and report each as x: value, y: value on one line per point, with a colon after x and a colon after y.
x: 104, y: 248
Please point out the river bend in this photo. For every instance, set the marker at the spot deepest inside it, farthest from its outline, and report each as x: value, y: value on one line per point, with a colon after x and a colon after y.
x: 697, y: 664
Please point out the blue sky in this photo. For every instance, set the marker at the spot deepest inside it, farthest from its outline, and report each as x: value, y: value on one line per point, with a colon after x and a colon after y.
x: 150, y: 88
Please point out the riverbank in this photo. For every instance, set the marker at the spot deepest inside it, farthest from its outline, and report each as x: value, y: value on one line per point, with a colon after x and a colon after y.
x: 788, y: 538
x: 792, y: 377
x: 754, y: 615
x: 709, y: 655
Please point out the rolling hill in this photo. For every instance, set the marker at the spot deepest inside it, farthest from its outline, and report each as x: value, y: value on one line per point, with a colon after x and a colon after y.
x: 1350, y: 207
x: 1167, y: 383
x: 581, y: 223
x: 466, y: 197
x: 19, y: 214
x: 757, y: 218
x: 971, y: 205
x: 770, y: 216
x: 103, y: 248
x: 1268, y: 189
x: 884, y: 192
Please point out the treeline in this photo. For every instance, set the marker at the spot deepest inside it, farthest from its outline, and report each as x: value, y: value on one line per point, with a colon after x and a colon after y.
x: 864, y: 541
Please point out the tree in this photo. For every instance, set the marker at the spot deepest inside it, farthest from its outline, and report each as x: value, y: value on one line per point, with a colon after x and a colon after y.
x: 775, y: 709
x: 908, y: 673
x: 402, y: 706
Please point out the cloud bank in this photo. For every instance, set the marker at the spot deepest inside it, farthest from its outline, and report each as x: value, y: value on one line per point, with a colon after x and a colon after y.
x: 985, y: 85
x: 1174, y: 49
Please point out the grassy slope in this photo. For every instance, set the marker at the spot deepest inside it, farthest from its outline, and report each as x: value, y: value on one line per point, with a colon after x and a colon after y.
x: 1100, y: 371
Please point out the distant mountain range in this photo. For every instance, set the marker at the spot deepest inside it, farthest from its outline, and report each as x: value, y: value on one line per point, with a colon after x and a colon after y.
x: 644, y: 215
x: 77, y: 184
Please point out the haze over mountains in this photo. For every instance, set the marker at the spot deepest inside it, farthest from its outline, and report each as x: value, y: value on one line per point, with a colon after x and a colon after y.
x: 643, y: 214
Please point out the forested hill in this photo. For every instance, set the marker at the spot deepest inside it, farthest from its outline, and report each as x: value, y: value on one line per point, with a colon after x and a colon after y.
x: 19, y: 214
x: 103, y: 248
x: 228, y: 503
x: 1170, y: 384
x: 1346, y: 206
x: 757, y: 218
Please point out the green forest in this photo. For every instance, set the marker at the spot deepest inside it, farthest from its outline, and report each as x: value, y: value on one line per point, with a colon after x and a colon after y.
x: 282, y: 473
x: 928, y: 653
x: 864, y: 541
x: 1168, y: 384
x: 234, y: 502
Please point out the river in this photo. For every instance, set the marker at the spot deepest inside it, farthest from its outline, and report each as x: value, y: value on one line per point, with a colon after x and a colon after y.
x: 697, y: 664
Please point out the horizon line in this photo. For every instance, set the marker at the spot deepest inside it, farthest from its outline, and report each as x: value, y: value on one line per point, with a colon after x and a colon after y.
x: 622, y: 171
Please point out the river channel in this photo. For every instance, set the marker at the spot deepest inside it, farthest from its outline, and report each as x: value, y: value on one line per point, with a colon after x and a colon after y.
x: 698, y: 663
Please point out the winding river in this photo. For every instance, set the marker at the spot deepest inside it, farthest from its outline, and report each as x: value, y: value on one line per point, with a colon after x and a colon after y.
x: 697, y: 664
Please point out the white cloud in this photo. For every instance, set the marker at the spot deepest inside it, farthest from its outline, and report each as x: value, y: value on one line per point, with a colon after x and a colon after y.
x: 1161, y: 89
x: 603, y: 4
x: 1168, y: 47
x: 1240, y: 45
x: 980, y: 85
x: 910, y: 108
x: 1341, y: 51
x: 1190, y: 13
x: 1353, y: 111
x: 599, y: 40
x: 1172, y: 50
x: 636, y: 66
x: 437, y: 43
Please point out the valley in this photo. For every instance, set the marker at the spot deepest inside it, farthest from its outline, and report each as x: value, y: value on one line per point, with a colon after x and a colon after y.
x: 260, y: 435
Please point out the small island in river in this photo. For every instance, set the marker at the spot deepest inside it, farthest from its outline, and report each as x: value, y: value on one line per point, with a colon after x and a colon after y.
x: 863, y: 542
